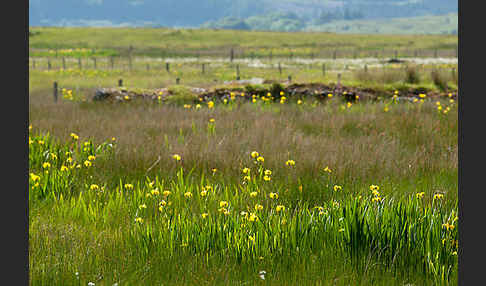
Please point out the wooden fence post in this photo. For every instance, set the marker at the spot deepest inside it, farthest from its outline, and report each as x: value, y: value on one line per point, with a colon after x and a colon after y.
x: 203, y: 68
x: 120, y: 82
x: 55, y: 91
x: 167, y: 68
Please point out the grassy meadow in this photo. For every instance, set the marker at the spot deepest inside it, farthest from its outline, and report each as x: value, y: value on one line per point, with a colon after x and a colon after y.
x: 166, y: 42
x: 291, y: 192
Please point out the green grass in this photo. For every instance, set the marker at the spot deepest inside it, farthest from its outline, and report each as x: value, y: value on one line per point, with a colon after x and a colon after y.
x: 383, y: 80
x: 164, y: 42
x: 75, y: 228
x: 339, y: 237
x: 80, y: 225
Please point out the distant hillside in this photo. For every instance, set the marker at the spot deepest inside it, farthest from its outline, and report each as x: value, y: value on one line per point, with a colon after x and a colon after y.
x: 444, y: 24
x: 285, y: 15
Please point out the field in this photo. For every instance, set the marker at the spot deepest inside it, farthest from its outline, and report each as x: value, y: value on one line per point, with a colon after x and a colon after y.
x: 163, y: 42
x: 279, y: 189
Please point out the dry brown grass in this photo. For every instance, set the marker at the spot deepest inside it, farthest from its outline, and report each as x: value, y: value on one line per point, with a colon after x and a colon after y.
x: 361, y: 143
x: 384, y: 76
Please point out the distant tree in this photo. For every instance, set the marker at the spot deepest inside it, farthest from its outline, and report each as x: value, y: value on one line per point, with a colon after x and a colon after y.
x: 230, y: 23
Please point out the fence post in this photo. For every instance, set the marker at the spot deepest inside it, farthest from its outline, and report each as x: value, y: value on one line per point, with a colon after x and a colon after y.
x: 48, y: 64
x: 366, y: 68
x: 120, y: 82
x: 203, y: 68
x: 178, y: 80
x: 334, y: 55
x: 167, y: 68
x: 279, y: 68
x: 55, y: 91
x: 289, y: 78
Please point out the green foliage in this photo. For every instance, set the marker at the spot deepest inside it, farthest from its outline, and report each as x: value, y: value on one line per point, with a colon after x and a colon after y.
x: 436, y: 24
x: 230, y: 23
x: 163, y: 42
x: 170, y: 13
x: 412, y: 75
x: 439, y: 79
x: 74, y: 53
x: 288, y: 22
x: 180, y: 95
x: 155, y: 217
